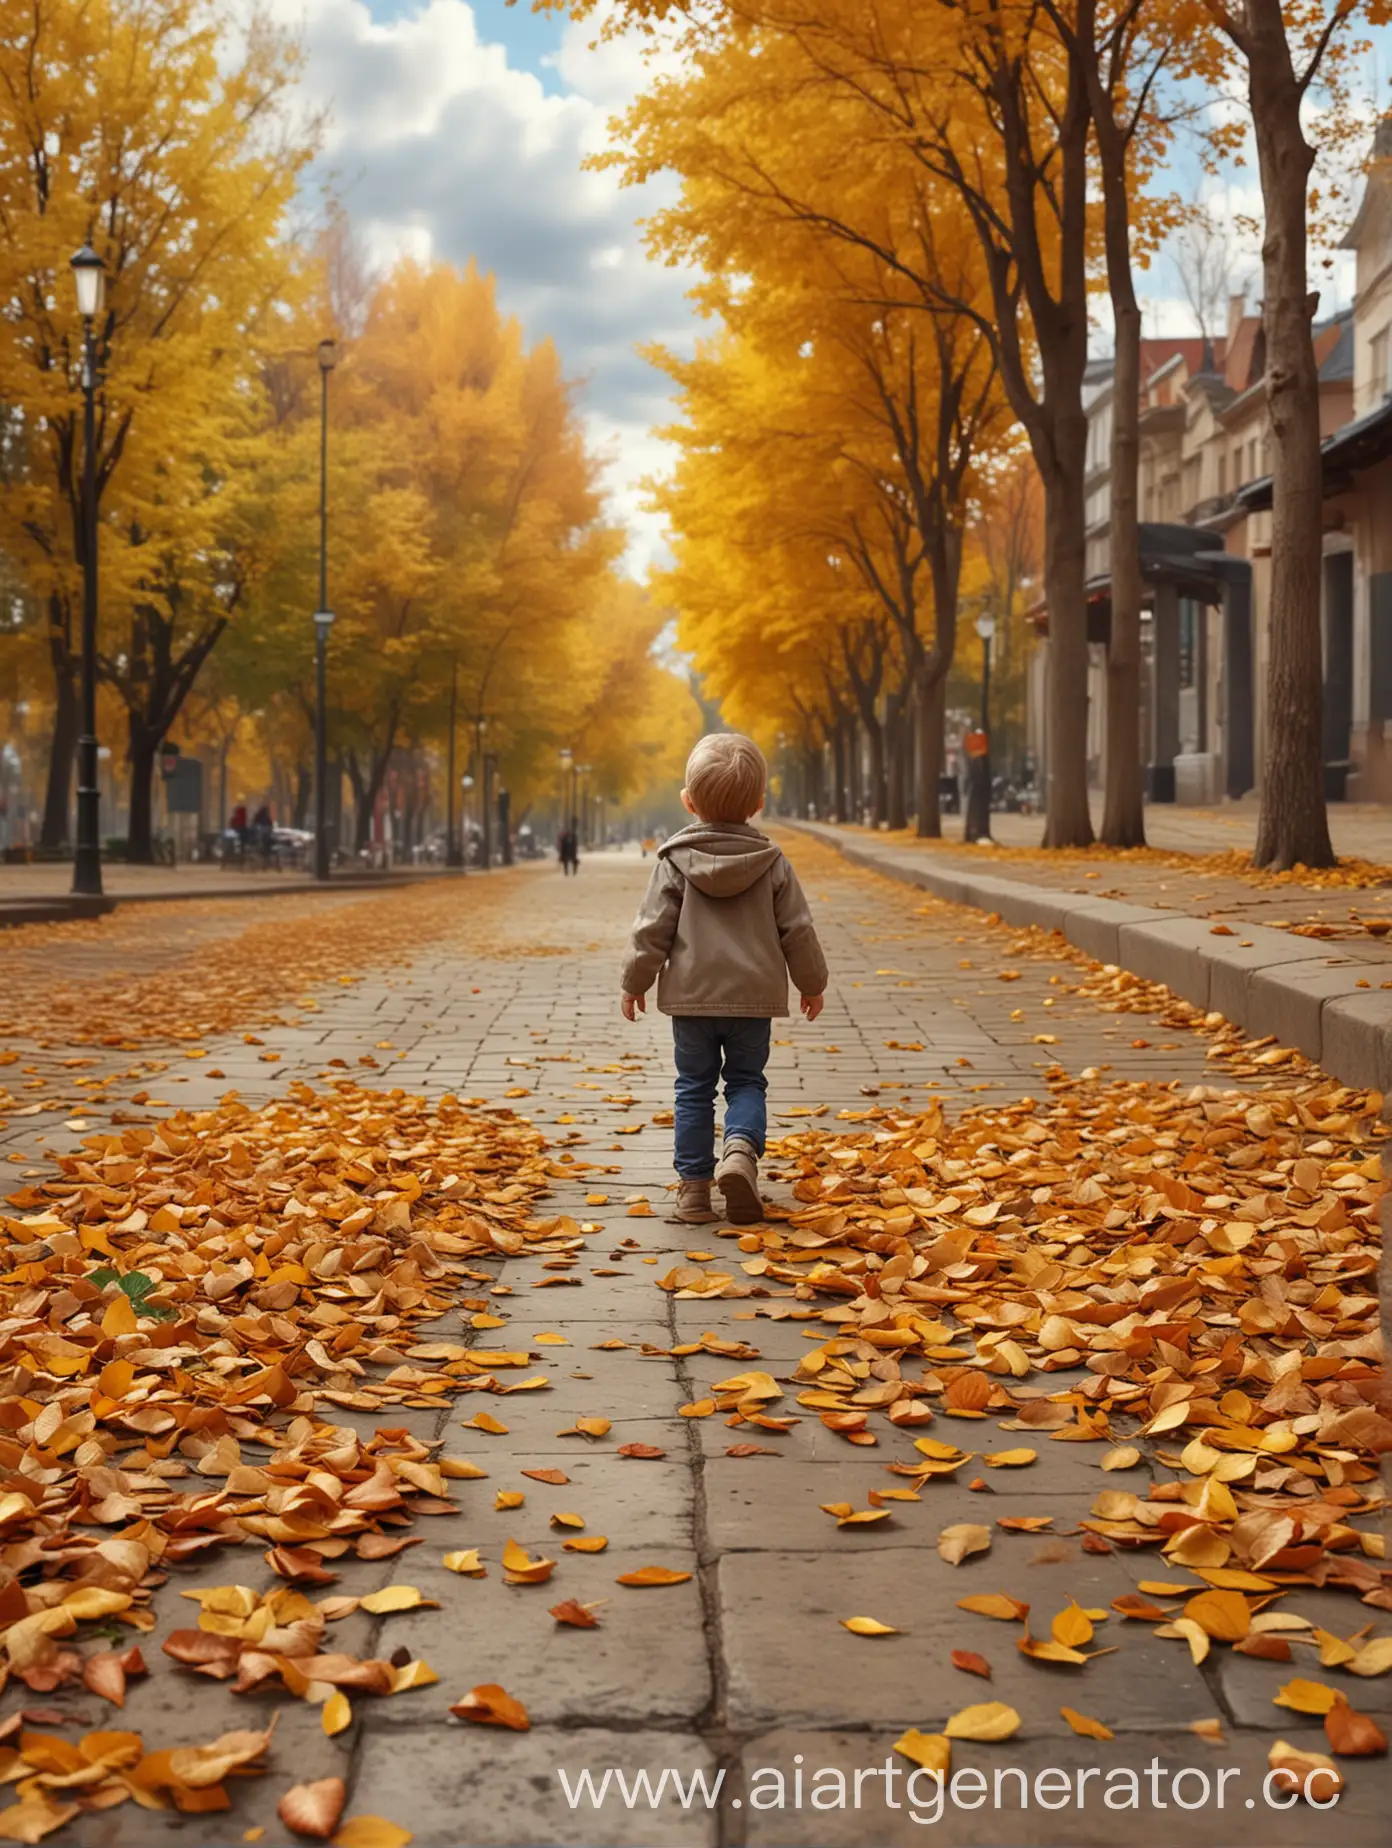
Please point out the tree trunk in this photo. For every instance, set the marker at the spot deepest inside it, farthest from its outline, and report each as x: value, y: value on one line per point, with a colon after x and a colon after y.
x: 61, y: 749
x: 895, y: 731
x: 304, y: 786
x: 838, y: 769
x: 855, y: 766
x: 1123, y: 811
x: 140, y: 831
x: 932, y: 728
x: 875, y: 735
x: 1293, y: 827
x: 1068, y: 822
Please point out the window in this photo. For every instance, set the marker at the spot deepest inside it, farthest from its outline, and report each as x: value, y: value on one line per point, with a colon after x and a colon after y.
x: 1377, y: 367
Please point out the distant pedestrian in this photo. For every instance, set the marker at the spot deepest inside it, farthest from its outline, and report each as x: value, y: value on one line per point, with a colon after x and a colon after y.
x: 721, y: 928
x: 568, y: 848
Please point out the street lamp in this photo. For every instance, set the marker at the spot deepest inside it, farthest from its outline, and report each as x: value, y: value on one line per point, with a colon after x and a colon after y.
x: 323, y: 622
x: 567, y: 784
x: 481, y: 762
x: 978, y: 827
x: 89, y: 280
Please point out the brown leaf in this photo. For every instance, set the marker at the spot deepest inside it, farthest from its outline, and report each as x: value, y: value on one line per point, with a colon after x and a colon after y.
x: 640, y: 1450
x: 1351, y: 1734
x: 571, y: 1611
x: 313, y: 1809
x: 490, y: 1705
x: 971, y: 1664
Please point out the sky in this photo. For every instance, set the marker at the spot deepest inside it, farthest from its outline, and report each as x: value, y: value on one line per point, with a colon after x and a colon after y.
x: 458, y: 130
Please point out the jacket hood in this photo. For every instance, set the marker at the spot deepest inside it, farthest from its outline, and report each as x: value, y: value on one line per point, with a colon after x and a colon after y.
x: 720, y: 858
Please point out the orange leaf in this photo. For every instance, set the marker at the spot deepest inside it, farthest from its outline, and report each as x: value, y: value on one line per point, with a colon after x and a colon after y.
x: 490, y: 1705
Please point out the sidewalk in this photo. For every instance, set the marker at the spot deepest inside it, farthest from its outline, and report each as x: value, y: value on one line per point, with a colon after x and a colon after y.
x: 1294, y: 960
x: 736, y: 1658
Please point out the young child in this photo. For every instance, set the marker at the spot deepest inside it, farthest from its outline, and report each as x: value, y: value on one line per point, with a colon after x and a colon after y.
x: 722, y: 926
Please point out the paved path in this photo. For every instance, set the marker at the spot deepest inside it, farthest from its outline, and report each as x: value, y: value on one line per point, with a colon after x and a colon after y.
x: 744, y: 1666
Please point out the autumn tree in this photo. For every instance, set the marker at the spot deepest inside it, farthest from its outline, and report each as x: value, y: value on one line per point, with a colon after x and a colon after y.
x: 160, y: 134
x: 1285, y: 50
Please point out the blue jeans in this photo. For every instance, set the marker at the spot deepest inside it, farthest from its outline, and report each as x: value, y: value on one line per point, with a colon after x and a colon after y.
x: 708, y: 1047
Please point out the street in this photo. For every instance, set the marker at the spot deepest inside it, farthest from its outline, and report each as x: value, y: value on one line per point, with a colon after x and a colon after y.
x: 776, y: 1457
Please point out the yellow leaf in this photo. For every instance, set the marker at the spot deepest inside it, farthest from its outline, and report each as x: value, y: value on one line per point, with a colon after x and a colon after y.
x: 1072, y: 1627
x: 1084, y: 1726
x: 995, y: 1604
x: 645, y: 1577
x: 336, y: 1714
x: 1010, y: 1459
x: 933, y: 1751
x: 868, y: 1626
x: 120, y: 1318
x: 1306, y: 1696
x: 371, y: 1832
x: 485, y: 1421
x: 1126, y: 1456
x: 1223, y: 1614
x: 508, y: 1498
x: 410, y: 1675
x: 589, y: 1543
x: 987, y: 1723
x: 1373, y: 1658
x: 467, y: 1561
x: 396, y: 1598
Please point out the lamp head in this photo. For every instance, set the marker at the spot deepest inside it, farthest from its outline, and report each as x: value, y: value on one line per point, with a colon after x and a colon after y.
x: 986, y: 627
x: 89, y: 278
x: 328, y: 355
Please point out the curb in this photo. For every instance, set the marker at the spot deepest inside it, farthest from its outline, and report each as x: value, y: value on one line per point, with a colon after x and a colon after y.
x: 1263, y: 980
x: 61, y: 908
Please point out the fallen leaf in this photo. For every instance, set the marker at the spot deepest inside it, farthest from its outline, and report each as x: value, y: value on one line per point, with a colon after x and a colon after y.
x: 646, y: 1576
x: 959, y: 1541
x: 868, y: 1626
x: 336, y: 1715
x: 970, y: 1663
x: 313, y: 1809
x: 987, y: 1723
x: 490, y: 1705
x: 1086, y: 1727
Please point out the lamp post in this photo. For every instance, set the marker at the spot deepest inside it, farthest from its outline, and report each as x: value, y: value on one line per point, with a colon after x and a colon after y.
x: 582, y: 801
x: 567, y: 784
x: 323, y: 622
x: 481, y: 763
x: 453, y: 857
x: 89, y: 279
x: 466, y: 783
x: 978, y: 826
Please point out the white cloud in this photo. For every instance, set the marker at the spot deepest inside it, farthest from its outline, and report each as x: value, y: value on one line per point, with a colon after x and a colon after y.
x: 441, y: 149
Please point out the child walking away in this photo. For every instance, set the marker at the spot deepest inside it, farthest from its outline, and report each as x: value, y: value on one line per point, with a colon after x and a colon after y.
x: 722, y: 927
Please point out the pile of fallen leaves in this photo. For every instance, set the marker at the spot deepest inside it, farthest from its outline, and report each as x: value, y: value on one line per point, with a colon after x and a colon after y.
x: 58, y: 1778
x: 1350, y: 874
x: 1200, y: 1268
x: 177, y: 1309
x: 199, y: 968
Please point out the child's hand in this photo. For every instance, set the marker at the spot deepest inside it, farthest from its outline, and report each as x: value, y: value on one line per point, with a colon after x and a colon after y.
x: 633, y: 1006
x: 812, y: 1005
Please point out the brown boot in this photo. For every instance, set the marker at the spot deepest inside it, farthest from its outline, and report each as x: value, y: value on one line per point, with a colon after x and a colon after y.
x: 737, y: 1177
x: 694, y: 1203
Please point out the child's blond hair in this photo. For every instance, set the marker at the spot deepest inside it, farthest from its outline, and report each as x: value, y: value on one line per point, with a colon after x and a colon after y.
x: 726, y: 777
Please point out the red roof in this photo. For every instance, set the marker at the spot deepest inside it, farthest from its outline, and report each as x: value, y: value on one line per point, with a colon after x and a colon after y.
x: 1156, y: 353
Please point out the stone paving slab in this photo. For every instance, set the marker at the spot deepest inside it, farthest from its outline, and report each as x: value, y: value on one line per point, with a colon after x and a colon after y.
x: 781, y: 1622
x: 971, y: 1817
